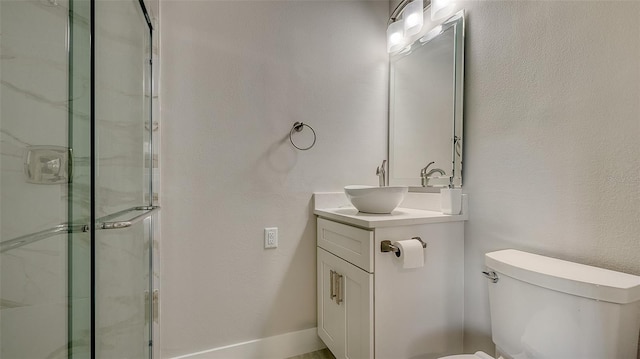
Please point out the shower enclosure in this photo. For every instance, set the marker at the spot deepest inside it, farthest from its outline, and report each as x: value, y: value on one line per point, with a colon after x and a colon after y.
x: 76, y: 179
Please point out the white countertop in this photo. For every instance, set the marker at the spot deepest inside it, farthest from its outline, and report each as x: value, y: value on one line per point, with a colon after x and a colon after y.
x: 416, y: 208
x: 399, y: 217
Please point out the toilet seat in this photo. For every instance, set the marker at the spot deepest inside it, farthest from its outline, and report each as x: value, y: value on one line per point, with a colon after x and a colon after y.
x: 476, y: 355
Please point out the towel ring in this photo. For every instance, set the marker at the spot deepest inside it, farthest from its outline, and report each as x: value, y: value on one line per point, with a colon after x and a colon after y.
x: 298, y: 127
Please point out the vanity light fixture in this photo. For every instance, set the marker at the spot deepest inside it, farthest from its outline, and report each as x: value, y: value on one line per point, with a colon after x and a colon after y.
x: 441, y: 8
x: 406, y: 20
x: 395, y: 36
x: 413, y: 18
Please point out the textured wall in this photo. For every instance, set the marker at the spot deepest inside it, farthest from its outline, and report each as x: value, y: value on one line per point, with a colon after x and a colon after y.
x: 235, y: 77
x: 552, y: 157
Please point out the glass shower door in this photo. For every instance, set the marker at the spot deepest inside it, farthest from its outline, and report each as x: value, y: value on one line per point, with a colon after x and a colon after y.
x: 122, y: 39
x: 45, y: 182
x: 75, y: 179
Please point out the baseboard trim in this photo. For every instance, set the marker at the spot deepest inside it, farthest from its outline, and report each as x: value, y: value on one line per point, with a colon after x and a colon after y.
x: 275, y: 347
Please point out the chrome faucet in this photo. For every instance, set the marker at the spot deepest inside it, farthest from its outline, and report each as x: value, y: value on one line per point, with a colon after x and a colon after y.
x: 381, y: 173
x: 424, y: 175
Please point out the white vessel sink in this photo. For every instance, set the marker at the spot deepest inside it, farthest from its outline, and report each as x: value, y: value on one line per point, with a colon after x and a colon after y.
x: 371, y: 199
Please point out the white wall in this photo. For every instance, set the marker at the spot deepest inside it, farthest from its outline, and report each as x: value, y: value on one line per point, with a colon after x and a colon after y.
x: 235, y: 77
x: 552, y: 156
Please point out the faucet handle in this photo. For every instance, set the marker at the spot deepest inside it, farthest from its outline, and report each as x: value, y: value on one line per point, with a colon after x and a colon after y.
x: 423, y: 172
x: 380, y: 169
x: 381, y: 173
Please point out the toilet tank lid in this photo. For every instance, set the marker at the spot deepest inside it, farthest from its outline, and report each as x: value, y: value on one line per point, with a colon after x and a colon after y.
x: 567, y: 277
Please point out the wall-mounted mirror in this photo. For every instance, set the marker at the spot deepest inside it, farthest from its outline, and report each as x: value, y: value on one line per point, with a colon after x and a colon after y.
x: 425, y: 109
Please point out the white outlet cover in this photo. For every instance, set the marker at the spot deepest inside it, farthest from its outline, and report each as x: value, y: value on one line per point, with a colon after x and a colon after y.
x: 271, y: 237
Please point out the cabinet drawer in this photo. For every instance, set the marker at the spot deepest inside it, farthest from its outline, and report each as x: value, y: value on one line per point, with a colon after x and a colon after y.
x: 352, y: 244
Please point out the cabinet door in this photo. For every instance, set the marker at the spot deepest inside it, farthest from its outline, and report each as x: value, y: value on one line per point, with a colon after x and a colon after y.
x: 345, y: 309
x: 331, y: 325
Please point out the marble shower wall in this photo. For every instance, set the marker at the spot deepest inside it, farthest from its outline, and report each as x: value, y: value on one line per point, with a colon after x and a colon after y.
x: 34, y: 111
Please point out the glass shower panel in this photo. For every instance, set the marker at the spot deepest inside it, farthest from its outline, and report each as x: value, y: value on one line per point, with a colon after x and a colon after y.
x: 122, y: 105
x: 79, y: 200
x: 44, y: 108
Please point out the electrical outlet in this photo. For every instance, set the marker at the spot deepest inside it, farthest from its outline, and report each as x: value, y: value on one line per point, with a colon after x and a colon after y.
x: 271, y: 237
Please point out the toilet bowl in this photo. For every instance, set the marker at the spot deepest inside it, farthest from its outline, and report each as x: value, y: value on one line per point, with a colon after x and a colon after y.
x: 544, y: 307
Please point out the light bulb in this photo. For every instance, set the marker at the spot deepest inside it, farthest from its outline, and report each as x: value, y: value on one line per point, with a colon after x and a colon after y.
x: 413, y: 18
x: 395, y: 36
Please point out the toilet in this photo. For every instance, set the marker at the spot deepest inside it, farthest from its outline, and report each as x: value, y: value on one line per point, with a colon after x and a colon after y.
x: 546, y: 308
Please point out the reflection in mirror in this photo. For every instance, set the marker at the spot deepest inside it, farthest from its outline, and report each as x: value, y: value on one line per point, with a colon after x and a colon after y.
x: 425, y: 109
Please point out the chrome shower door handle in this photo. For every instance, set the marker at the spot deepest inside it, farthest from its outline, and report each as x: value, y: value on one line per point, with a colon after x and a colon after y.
x: 146, y: 307
x: 156, y: 305
x: 104, y: 223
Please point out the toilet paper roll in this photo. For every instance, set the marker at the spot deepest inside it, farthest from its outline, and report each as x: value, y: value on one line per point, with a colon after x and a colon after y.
x: 411, y: 253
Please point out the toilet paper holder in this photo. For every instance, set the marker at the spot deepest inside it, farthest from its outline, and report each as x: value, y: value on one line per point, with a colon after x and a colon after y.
x: 386, y: 246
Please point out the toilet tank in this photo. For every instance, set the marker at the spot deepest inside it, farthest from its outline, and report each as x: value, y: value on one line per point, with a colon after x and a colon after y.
x: 548, y: 308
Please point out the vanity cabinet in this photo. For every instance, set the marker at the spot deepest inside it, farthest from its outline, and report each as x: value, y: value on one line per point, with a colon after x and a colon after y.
x: 369, y: 306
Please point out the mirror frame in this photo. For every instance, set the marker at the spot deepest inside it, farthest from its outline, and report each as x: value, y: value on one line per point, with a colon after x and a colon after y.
x: 457, y: 22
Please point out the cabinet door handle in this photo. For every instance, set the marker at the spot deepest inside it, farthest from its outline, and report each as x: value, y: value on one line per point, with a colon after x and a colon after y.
x: 332, y: 276
x: 339, y: 288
